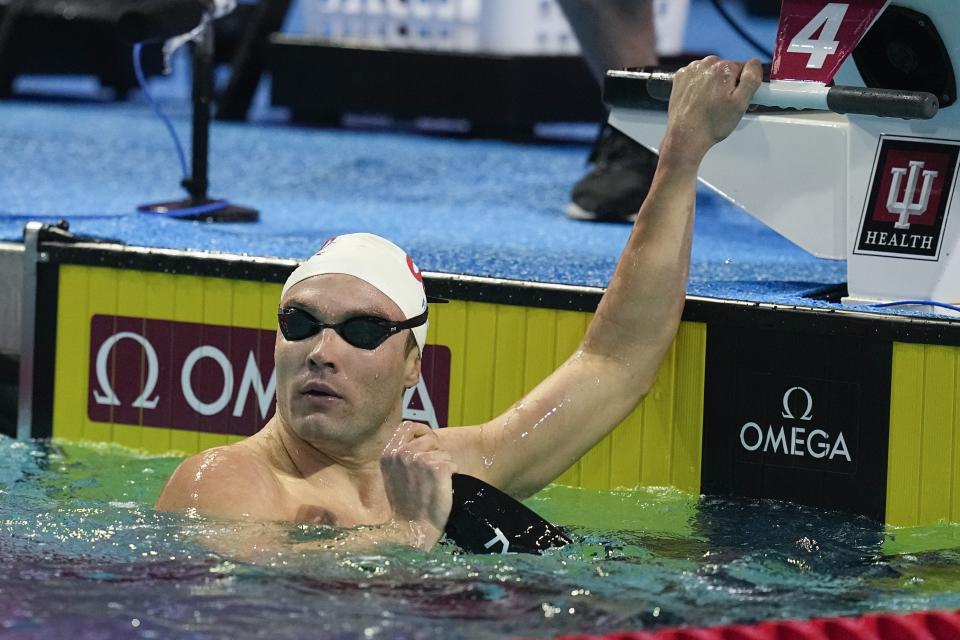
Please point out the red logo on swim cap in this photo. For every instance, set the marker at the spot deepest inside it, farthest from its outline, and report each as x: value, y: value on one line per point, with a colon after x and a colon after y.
x: 327, y: 243
x: 414, y: 270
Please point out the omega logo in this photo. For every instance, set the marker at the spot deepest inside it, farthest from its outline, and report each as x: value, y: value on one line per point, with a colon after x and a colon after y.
x: 251, y: 379
x: 211, y: 378
x: 794, y: 441
x: 106, y: 394
x: 807, y: 414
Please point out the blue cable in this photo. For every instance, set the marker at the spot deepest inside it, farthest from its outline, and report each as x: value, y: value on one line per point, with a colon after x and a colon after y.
x: 210, y: 207
x: 931, y: 303
x: 213, y: 205
x: 141, y: 80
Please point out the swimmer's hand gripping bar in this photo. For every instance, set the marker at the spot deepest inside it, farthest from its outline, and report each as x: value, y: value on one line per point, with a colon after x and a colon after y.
x: 642, y: 89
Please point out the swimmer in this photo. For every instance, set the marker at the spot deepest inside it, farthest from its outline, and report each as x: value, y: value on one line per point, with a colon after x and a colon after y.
x: 353, y: 323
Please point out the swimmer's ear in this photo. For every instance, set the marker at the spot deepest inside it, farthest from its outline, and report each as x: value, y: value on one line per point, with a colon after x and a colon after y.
x: 412, y: 373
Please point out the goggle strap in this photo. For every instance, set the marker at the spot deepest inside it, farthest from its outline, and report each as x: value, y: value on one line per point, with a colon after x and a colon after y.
x: 416, y: 321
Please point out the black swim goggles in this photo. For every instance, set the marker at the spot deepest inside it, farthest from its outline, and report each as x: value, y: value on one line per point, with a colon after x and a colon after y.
x: 363, y: 332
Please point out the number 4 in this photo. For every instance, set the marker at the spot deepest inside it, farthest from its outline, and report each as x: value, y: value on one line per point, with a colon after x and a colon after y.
x: 830, y: 19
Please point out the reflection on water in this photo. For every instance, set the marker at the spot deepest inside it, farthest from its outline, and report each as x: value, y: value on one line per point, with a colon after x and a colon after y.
x: 83, y: 554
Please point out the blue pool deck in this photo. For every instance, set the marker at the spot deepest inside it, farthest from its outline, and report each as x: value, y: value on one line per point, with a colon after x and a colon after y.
x: 459, y: 205
x: 479, y: 207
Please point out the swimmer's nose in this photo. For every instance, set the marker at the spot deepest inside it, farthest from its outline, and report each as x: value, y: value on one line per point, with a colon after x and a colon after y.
x: 326, y: 348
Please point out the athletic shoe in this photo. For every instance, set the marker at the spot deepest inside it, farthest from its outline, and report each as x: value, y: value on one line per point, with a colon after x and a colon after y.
x: 614, y: 189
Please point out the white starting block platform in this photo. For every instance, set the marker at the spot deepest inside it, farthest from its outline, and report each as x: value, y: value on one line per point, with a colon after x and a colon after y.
x: 878, y: 192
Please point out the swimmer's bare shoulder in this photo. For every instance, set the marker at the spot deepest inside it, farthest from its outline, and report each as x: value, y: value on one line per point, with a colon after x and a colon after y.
x: 233, y: 481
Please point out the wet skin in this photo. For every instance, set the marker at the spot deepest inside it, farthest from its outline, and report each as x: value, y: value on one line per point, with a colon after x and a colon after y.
x: 338, y: 452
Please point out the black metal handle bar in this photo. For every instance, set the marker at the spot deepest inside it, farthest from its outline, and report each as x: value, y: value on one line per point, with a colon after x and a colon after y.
x: 644, y: 89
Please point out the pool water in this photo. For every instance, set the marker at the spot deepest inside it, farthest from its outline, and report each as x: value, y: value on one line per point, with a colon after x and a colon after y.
x: 84, y: 555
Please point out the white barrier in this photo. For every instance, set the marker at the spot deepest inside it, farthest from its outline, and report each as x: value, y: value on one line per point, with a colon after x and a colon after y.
x: 528, y: 27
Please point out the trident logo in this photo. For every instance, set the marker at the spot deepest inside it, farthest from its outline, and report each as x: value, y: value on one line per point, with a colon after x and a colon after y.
x: 907, y: 207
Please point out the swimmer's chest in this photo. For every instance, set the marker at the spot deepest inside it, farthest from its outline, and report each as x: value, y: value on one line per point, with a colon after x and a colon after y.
x: 305, y: 503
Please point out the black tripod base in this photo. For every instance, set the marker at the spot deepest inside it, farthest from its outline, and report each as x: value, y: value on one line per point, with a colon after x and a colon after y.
x: 204, y: 210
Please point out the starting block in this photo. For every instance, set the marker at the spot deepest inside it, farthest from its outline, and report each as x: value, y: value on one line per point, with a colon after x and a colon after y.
x: 853, y: 151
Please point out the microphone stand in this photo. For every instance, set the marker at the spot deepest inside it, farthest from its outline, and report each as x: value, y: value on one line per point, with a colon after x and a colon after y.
x: 196, y: 184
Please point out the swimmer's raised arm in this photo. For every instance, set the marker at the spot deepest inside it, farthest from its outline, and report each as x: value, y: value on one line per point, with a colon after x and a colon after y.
x: 637, y: 319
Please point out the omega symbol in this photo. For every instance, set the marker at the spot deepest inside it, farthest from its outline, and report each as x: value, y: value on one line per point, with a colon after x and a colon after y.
x: 808, y: 414
x: 106, y: 395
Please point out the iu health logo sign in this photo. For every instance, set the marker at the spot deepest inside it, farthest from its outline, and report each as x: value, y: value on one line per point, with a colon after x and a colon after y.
x: 909, y: 200
x: 215, y: 379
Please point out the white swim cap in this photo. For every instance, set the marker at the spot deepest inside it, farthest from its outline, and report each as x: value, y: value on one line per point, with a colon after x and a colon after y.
x: 378, y: 262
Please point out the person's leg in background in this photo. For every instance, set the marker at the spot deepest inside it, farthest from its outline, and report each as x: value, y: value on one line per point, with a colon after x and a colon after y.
x: 613, y: 34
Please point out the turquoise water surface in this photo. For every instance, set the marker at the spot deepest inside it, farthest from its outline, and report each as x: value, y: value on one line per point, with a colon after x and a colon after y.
x: 84, y: 555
